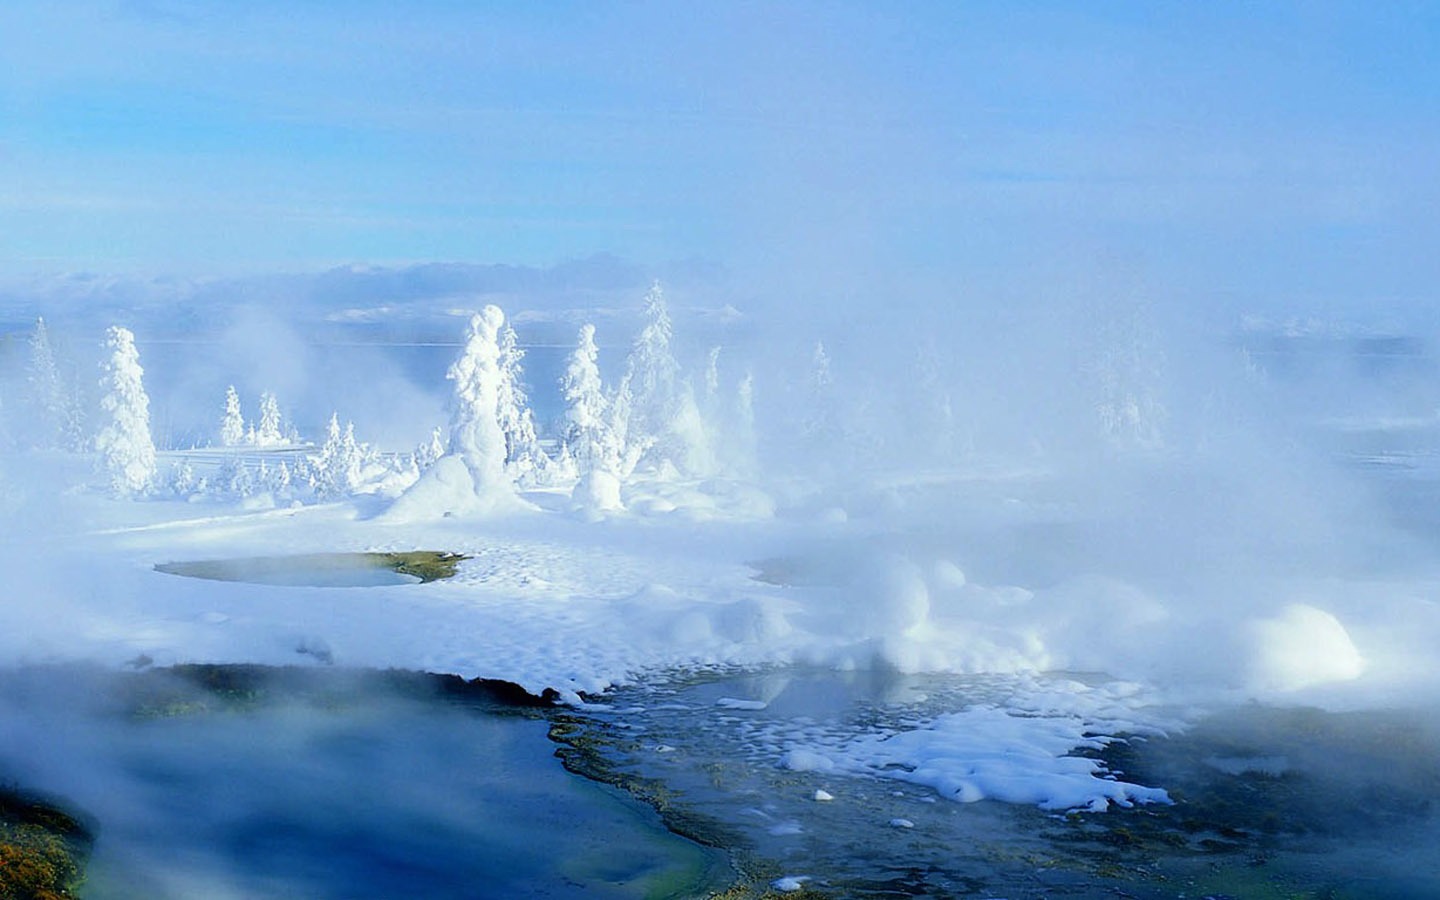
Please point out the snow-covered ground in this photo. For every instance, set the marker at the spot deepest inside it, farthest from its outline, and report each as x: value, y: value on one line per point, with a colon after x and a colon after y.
x: 718, y: 574
x: 1177, y: 578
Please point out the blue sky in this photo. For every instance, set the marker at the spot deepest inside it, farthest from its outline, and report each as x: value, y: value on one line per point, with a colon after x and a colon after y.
x: 1215, y: 152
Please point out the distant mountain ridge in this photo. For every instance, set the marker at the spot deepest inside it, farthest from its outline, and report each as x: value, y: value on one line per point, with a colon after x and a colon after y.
x: 420, y: 300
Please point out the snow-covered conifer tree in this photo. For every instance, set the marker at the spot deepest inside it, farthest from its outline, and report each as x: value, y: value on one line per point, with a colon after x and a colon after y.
x: 182, y: 481
x: 661, y: 419
x: 688, y: 435
x: 523, y: 456
x: 743, y: 449
x: 590, y: 444
x: 58, y: 421
x: 428, y: 452
x: 339, y: 468
x: 563, y: 467
x: 325, y: 469
x: 475, y: 434
x: 712, y: 408
x: 471, y: 477
x: 624, y: 445
x: 268, y: 433
x: 1128, y: 370
x: 232, y: 426
x: 351, y: 461
x: 586, y: 429
x: 235, y: 478
x: 123, y: 441
x: 651, y: 372
x: 819, y: 420
x: 712, y: 375
x: 278, y: 480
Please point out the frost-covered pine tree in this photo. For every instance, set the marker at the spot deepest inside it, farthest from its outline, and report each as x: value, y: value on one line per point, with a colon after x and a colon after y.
x: 470, y: 479
x: 234, y: 479
x: 819, y: 420
x: 651, y: 372
x: 743, y: 443
x: 232, y: 425
x: 182, y: 481
x: 268, y: 433
x: 339, y: 467
x: 126, y: 451
x: 475, y: 434
x: 325, y: 469
x: 43, y: 379
x: 278, y: 480
x: 688, y: 434
x: 656, y: 411
x: 591, y: 446
x: 350, y: 463
x: 624, y: 444
x: 711, y: 405
x: 1128, y: 373
x: 428, y: 452
x: 523, y: 456
x: 58, y: 420
x: 712, y: 374
x: 586, y: 427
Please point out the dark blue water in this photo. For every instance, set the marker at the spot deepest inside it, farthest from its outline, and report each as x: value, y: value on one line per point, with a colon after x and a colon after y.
x: 336, y: 790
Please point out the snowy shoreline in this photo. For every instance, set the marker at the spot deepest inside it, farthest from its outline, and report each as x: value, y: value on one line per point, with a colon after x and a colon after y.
x: 556, y: 603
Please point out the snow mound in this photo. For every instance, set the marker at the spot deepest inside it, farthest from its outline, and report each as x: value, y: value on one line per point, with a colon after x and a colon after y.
x: 1299, y: 648
x: 596, y: 492
x: 448, y: 489
x: 890, y: 597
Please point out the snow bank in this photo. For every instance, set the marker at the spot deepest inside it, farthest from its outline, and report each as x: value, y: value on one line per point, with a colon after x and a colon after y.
x: 549, y: 600
x: 448, y: 489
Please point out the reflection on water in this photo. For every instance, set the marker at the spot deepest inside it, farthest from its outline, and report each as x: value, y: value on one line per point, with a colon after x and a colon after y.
x: 330, y: 785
